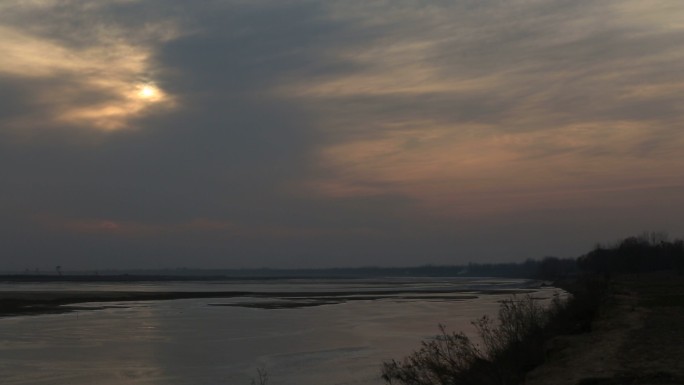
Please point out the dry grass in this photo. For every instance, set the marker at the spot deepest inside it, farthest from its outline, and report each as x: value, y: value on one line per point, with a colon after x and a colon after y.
x: 512, y: 344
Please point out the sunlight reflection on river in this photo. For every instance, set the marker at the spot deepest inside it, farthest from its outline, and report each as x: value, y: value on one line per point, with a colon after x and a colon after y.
x: 187, y: 342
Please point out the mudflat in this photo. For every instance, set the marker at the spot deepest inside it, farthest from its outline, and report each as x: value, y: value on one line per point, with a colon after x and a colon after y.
x: 637, y: 338
x: 45, y: 302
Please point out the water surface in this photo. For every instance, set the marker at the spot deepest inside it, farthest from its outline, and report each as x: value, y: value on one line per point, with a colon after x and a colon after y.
x: 220, y: 341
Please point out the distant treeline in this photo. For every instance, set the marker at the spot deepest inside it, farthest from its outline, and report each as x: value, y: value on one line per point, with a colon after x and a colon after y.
x: 547, y: 268
x: 648, y: 252
x: 644, y: 253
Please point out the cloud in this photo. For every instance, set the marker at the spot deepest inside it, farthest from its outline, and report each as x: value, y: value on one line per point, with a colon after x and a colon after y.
x: 89, y: 68
x: 221, y: 229
x: 336, y: 132
x: 462, y: 106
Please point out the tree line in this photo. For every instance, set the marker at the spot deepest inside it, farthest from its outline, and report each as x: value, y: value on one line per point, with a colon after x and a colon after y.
x: 648, y: 252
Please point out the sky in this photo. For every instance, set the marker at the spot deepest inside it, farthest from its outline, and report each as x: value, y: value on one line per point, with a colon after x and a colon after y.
x: 321, y: 133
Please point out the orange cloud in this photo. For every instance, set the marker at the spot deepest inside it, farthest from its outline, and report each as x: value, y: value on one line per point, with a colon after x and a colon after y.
x: 466, y: 119
x: 449, y: 173
x: 200, y: 226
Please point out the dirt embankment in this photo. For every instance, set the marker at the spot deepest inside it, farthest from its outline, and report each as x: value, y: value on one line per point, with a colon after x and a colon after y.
x: 637, y: 338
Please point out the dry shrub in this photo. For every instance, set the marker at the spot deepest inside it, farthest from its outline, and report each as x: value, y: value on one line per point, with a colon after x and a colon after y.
x: 511, y: 345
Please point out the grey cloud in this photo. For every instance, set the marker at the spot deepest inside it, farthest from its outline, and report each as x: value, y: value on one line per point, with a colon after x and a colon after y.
x: 243, y: 49
x: 230, y: 153
x: 236, y: 150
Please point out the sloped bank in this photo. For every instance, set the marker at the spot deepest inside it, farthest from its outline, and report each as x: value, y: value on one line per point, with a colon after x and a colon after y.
x: 636, y: 337
x: 520, y: 340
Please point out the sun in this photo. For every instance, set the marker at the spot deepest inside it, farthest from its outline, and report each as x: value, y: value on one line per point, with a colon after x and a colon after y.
x: 148, y: 92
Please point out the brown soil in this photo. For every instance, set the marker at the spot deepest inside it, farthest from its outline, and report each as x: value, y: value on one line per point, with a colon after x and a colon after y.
x: 637, y: 338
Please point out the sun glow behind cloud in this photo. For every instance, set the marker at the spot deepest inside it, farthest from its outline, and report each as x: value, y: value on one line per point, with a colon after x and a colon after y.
x: 149, y: 92
x: 94, y: 84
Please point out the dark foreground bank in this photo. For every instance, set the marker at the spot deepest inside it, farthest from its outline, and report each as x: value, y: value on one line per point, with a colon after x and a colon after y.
x: 626, y: 330
x: 635, y: 338
x: 508, y: 347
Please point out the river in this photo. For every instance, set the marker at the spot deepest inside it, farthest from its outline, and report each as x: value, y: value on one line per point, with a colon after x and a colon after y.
x: 329, y: 332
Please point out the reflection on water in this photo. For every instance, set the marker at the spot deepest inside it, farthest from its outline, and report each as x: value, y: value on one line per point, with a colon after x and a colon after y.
x: 187, y: 341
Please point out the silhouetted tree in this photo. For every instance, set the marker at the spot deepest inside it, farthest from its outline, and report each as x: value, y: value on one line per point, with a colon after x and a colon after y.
x: 648, y: 252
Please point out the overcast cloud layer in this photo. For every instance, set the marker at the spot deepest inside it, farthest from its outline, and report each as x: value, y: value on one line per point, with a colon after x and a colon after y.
x: 307, y: 133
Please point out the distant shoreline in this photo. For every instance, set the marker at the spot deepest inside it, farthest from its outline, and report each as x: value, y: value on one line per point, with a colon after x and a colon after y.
x: 27, y: 278
x: 528, y: 269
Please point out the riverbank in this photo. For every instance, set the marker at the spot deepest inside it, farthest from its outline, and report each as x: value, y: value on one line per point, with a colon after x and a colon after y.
x: 635, y: 338
x: 627, y: 330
